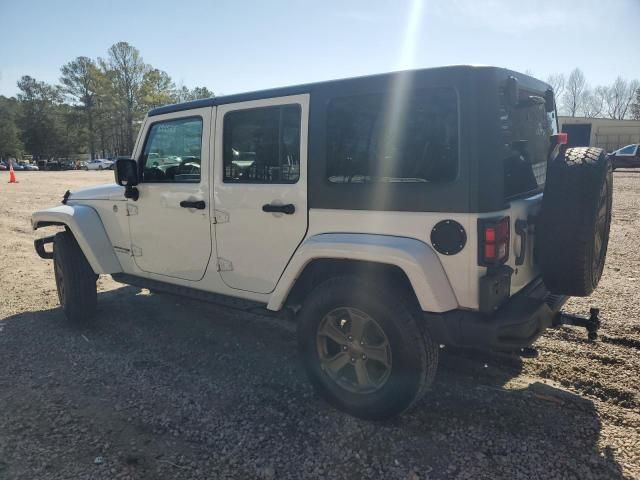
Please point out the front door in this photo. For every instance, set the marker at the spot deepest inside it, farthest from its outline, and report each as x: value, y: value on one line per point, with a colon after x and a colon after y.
x: 260, y: 189
x: 170, y: 222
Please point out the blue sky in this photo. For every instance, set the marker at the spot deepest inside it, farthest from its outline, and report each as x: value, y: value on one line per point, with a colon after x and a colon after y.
x: 235, y: 46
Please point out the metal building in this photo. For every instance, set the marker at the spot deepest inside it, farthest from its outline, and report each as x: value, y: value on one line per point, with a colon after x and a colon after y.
x: 600, y: 132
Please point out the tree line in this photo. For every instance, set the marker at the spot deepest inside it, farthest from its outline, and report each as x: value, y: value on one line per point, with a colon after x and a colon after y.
x: 97, y: 104
x: 576, y: 98
x: 94, y: 109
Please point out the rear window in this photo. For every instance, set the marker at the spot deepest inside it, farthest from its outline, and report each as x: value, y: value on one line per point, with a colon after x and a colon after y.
x: 526, y: 132
x: 378, y: 138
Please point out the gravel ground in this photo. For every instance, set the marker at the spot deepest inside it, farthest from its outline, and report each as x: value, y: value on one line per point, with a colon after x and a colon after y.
x: 166, y: 388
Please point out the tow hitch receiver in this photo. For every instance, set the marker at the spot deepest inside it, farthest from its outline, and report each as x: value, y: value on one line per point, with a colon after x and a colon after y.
x: 591, y: 323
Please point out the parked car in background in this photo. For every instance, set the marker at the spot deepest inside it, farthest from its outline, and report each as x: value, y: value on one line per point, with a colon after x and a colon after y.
x: 18, y: 166
x: 3, y: 166
x: 29, y: 166
x: 98, y: 164
x: 626, y: 157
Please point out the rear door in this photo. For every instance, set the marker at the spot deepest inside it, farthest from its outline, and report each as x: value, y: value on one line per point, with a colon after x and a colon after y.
x: 260, y: 184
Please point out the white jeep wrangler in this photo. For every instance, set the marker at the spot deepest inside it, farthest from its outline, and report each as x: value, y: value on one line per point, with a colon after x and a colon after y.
x: 391, y: 214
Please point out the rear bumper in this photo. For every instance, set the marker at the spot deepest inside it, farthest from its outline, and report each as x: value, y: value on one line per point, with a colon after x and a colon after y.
x: 518, y: 323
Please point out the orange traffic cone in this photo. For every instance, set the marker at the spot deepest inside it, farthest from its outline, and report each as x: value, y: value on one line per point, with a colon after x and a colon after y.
x: 12, y: 174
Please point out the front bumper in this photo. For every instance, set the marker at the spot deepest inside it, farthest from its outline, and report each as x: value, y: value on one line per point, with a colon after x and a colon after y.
x: 39, y: 246
x: 517, y: 324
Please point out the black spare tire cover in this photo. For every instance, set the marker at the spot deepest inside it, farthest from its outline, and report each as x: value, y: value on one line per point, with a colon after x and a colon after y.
x: 575, y: 218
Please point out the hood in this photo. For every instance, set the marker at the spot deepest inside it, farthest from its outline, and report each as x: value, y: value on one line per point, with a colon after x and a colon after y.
x: 99, y: 192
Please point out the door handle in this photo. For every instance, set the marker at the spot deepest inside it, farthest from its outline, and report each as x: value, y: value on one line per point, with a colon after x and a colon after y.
x: 288, y: 209
x: 521, y: 230
x: 199, y: 204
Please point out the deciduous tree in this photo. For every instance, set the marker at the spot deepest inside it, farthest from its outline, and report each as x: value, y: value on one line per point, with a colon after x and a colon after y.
x: 594, y: 102
x: 635, y: 106
x: 573, y: 97
x: 619, y: 97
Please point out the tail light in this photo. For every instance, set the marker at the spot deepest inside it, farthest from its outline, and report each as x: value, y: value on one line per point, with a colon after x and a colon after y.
x: 560, y: 138
x: 493, y: 241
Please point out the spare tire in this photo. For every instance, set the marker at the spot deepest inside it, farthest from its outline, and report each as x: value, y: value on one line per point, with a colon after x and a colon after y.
x: 574, y: 221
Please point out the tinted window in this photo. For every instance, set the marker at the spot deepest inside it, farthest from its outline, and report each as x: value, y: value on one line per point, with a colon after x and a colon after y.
x: 262, y: 145
x: 526, y: 130
x: 628, y: 150
x: 380, y: 138
x: 172, y: 152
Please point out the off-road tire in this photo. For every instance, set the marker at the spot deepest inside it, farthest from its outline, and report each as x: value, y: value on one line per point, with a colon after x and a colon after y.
x: 414, y: 353
x: 577, y: 194
x: 75, y: 279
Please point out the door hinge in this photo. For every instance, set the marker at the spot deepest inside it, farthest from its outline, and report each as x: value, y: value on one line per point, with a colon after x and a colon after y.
x: 131, y: 210
x: 220, y: 217
x: 224, y: 265
x: 136, y: 251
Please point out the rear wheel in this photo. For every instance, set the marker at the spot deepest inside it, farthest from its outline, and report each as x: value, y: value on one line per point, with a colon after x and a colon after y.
x: 75, y: 279
x: 573, y: 231
x: 363, y: 348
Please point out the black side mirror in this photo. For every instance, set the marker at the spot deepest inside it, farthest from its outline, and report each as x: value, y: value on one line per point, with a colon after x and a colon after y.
x: 126, y: 173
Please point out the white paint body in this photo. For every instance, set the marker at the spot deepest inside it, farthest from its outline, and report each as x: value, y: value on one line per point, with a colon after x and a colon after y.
x: 264, y: 253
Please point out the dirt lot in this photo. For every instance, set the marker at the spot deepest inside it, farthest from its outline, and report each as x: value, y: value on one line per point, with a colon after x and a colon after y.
x: 165, y: 388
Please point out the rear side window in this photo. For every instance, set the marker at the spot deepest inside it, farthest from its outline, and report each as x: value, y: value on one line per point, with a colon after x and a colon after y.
x: 262, y: 145
x: 173, y: 151
x: 376, y: 138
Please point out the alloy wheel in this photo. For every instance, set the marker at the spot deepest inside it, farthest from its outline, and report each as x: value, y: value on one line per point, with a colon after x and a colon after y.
x: 354, y: 351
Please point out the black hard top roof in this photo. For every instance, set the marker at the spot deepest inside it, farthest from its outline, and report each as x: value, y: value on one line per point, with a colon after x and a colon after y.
x: 306, y: 88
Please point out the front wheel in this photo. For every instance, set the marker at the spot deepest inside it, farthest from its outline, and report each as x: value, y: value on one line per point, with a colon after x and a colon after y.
x: 75, y: 279
x: 363, y: 348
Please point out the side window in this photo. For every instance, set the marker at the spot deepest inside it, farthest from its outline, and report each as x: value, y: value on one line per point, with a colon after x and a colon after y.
x: 262, y: 145
x: 173, y: 151
x: 628, y: 150
x: 381, y: 139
